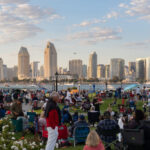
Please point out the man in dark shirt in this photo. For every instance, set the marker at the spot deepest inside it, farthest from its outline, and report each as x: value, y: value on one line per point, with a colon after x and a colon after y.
x: 108, y: 128
x: 1, y: 98
x: 80, y: 123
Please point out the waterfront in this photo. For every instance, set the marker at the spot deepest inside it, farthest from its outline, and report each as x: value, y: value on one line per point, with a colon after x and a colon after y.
x: 51, y: 87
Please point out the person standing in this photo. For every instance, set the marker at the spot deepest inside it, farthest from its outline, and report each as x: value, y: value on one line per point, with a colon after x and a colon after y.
x: 53, y: 118
x: 1, y: 98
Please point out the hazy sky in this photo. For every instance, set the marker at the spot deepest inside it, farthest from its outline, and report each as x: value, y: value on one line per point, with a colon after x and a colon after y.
x: 112, y: 28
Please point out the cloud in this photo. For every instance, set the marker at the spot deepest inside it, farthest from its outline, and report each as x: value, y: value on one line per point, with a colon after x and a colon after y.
x: 14, y: 29
x: 88, y: 23
x: 13, y: 1
x: 113, y: 14
x: 143, y: 44
x: 139, y: 8
x: 96, y: 35
x: 19, y: 21
x: 27, y: 11
x: 122, y: 5
x: 55, y: 16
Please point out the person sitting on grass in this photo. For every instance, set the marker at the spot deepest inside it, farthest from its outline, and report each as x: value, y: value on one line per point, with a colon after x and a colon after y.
x: 66, y: 117
x: 93, y: 142
x: 41, y: 122
x: 135, y: 120
x: 75, y: 117
x: 16, y: 108
x: 108, y: 129
x: 80, y: 123
x: 2, y: 111
x: 86, y: 105
x: 25, y: 122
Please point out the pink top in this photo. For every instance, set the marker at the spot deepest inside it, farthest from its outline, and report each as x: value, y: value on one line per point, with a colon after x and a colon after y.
x: 100, y: 146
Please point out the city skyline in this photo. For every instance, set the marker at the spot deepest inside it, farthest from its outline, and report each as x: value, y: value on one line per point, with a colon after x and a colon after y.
x: 114, y: 29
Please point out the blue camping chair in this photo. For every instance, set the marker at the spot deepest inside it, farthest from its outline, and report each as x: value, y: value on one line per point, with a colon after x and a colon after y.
x: 31, y: 116
x: 18, y: 125
x: 80, y: 134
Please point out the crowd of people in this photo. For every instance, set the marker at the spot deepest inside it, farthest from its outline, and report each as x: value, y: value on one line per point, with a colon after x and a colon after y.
x: 109, y: 125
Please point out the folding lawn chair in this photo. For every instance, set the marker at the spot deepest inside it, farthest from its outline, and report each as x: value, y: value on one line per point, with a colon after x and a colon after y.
x: 80, y: 134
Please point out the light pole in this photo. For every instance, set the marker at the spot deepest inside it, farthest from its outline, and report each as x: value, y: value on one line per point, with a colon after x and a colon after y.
x: 106, y: 83
x: 56, y: 76
x: 79, y: 89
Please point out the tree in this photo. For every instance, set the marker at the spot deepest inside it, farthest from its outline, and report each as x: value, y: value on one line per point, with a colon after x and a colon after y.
x: 15, y: 79
x: 115, y: 79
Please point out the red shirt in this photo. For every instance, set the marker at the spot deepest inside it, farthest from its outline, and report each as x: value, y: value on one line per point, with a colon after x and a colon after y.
x: 52, y: 119
x: 100, y: 146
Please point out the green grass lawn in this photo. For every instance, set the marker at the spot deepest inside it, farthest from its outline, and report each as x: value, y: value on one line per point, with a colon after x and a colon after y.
x: 73, y: 148
x: 103, y: 107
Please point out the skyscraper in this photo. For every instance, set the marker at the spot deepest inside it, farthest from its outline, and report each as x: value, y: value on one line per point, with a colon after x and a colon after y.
x: 75, y: 67
x: 92, y: 68
x: 34, y: 68
x: 23, y: 64
x: 140, y: 69
x: 107, y: 72
x: 5, y: 72
x: 50, y: 61
x: 15, y: 71
x: 148, y: 69
x: 42, y: 71
x: 117, y: 68
x: 132, y: 66
x: 84, y: 71
x: 101, y: 71
x: 1, y: 70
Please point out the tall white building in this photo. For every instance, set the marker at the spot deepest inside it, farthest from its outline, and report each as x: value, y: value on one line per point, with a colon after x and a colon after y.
x: 15, y: 71
x: 140, y: 68
x: 117, y: 68
x: 34, y: 69
x: 1, y: 70
x: 92, y: 68
x: 75, y: 67
x: 10, y: 74
x: 23, y: 64
x: 50, y: 61
x: 5, y: 72
x: 101, y: 71
x: 148, y: 69
x: 42, y: 71
x: 84, y: 71
x: 107, y: 72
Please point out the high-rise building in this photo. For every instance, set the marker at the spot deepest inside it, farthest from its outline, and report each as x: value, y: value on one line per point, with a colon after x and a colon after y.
x: 107, y: 72
x: 92, y: 68
x: 84, y: 71
x: 23, y: 64
x: 140, y: 69
x: 148, y: 69
x: 132, y: 66
x: 50, y: 61
x: 5, y: 71
x: 42, y: 71
x: 101, y: 71
x: 15, y: 71
x: 126, y: 71
x: 1, y: 70
x: 10, y: 74
x: 34, y: 69
x: 75, y: 67
x: 117, y: 68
